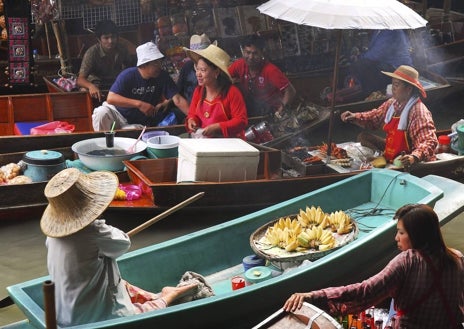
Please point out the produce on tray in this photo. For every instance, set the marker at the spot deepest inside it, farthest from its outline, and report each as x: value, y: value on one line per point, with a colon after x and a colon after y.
x: 310, y: 229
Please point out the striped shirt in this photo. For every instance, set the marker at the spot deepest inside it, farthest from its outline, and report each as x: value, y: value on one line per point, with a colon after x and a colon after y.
x: 421, y: 128
x: 406, y: 278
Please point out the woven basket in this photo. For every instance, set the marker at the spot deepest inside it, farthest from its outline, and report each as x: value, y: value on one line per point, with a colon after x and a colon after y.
x: 277, y: 254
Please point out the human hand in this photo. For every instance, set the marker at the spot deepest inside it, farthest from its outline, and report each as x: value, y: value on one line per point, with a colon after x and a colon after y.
x: 95, y: 92
x: 163, y: 107
x: 147, y: 108
x: 192, y: 125
x: 347, y: 116
x: 407, y: 160
x: 295, y: 301
x: 212, y: 130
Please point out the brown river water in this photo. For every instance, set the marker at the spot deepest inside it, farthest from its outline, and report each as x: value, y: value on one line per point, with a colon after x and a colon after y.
x: 23, y: 253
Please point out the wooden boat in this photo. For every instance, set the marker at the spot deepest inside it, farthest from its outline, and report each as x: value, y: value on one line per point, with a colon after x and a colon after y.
x: 217, y: 253
x: 158, y: 179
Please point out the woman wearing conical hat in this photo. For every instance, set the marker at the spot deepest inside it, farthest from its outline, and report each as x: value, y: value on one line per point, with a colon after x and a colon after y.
x: 406, y: 121
x: 217, y: 108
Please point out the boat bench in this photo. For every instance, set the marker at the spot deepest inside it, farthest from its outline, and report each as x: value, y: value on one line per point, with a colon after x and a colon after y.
x: 74, y: 107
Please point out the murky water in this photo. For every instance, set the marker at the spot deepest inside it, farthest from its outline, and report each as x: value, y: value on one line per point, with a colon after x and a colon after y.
x: 23, y: 254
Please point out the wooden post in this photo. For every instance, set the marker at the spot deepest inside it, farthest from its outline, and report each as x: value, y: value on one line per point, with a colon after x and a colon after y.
x: 49, y: 301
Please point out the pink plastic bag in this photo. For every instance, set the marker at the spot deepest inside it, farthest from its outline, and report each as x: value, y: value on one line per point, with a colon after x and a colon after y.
x: 54, y: 127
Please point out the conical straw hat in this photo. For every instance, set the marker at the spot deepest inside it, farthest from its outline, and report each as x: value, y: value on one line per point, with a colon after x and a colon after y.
x: 75, y: 200
x: 214, y: 54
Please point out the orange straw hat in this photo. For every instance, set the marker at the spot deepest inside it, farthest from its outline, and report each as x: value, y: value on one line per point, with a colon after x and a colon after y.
x: 409, y: 75
x: 76, y: 200
x: 214, y: 54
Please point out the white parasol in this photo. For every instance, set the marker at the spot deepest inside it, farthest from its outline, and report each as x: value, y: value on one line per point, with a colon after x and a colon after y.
x: 341, y: 15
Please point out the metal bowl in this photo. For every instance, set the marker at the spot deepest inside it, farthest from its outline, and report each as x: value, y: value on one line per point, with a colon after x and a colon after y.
x: 95, y: 155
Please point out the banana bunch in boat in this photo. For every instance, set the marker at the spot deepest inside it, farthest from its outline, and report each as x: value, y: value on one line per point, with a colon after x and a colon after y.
x: 340, y: 222
x: 316, y: 238
x: 284, y: 233
x: 313, y: 216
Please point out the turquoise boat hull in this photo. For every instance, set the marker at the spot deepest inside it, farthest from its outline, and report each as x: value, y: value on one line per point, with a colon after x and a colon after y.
x: 217, y: 253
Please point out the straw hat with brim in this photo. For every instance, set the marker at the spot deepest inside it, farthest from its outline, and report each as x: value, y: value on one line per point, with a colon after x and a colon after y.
x: 409, y: 75
x: 75, y: 200
x: 214, y: 54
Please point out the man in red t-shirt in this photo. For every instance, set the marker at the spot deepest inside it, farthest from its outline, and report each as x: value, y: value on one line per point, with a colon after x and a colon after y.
x: 264, y: 86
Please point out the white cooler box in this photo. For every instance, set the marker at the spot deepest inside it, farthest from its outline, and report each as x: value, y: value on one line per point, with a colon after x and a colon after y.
x: 216, y: 160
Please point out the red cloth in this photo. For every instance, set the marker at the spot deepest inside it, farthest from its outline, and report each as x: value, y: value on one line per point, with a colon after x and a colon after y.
x: 229, y: 111
x: 396, y: 141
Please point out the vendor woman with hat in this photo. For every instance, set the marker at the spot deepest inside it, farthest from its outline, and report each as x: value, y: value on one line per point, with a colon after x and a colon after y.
x: 82, y: 252
x: 217, y: 108
x: 404, y: 118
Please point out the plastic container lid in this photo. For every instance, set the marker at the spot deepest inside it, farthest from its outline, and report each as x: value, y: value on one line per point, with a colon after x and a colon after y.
x: 444, y: 139
x: 258, y: 274
x: 43, y: 157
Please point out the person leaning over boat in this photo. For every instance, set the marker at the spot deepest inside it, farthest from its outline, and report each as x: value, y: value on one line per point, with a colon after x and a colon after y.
x: 426, y: 279
x: 82, y: 252
x: 217, y: 108
x: 140, y: 95
x: 265, y: 87
x: 406, y: 121
x: 103, y: 62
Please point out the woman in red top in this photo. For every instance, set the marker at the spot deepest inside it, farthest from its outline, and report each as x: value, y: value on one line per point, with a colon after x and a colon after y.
x: 217, y: 108
x: 407, y: 122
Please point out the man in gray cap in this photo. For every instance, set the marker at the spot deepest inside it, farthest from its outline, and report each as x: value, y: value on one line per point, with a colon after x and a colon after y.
x: 140, y: 95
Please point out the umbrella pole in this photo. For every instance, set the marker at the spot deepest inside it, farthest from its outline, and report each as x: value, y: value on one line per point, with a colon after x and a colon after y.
x: 334, y: 91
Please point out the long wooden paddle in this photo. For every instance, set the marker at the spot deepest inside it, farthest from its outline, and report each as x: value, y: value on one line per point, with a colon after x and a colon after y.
x: 164, y: 214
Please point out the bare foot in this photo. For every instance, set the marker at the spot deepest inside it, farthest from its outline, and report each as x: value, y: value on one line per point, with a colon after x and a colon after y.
x: 170, y: 294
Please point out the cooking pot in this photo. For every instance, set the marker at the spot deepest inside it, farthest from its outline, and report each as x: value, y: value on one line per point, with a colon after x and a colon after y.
x: 42, y: 165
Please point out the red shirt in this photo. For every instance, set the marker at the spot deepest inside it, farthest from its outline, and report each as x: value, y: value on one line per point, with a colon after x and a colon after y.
x: 267, y: 86
x: 229, y: 111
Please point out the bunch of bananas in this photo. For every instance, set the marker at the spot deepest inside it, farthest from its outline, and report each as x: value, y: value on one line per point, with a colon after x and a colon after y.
x: 313, y: 217
x: 340, y: 222
x: 316, y: 238
x: 310, y: 229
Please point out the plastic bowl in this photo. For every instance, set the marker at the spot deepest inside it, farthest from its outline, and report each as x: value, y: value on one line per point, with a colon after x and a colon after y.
x: 146, y: 136
x: 164, y: 146
x: 96, y: 156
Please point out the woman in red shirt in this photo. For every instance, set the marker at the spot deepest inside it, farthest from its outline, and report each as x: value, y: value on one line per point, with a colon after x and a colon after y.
x: 217, y: 108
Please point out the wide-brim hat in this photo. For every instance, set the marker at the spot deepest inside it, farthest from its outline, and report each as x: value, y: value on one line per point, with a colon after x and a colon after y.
x: 409, y: 75
x: 75, y: 200
x: 148, y: 52
x: 199, y: 41
x: 214, y: 54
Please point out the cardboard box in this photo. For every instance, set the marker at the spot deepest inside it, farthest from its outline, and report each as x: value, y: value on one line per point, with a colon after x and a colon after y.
x: 216, y: 160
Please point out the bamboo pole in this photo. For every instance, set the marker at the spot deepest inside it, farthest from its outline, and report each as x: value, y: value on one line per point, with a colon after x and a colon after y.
x: 165, y: 214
